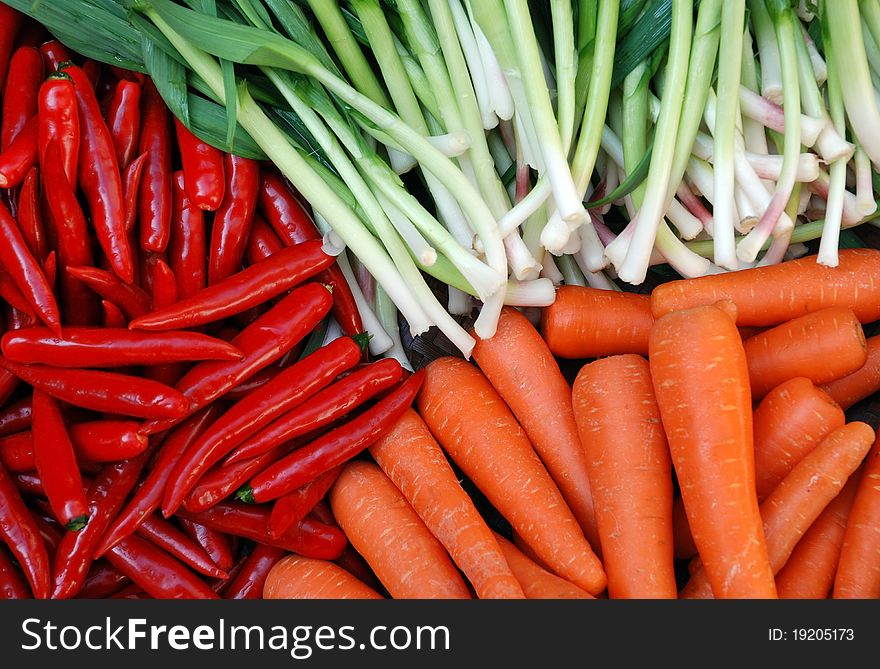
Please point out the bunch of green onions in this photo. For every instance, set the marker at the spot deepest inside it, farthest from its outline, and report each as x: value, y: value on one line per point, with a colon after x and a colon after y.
x: 506, y: 146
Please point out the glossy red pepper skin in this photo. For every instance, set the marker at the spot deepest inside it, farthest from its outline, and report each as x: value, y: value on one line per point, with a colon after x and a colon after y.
x: 12, y: 295
x: 159, y: 574
x: 59, y: 121
x: 131, y: 183
x: 309, y: 538
x: 100, y: 178
x: 262, y: 343
x: 262, y: 242
x: 15, y: 417
x: 248, y: 583
x: 20, y: 155
x: 202, y: 168
x: 10, y: 24
x: 12, y: 585
x: 155, y: 191
x: 325, y: 408
x: 163, y: 289
x: 232, y: 222
x: 94, y: 441
x: 103, y: 580
x: 20, y: 93
x: 106, y: 347
x: 103, y: 391
x: 112, y: 315
x: 291, y: 388
x: 292, y: 225
x: 26, y: 273
x: 148, y: 496
x: 258, y: 380
x: 173, y: 541
x: 20, y: 534
x: 30, y: 218
x: 215, y: 543
x: 335, y: 447
x: 124, y: 120
x: 132, y: 300
x: 294, y: 506
x: 55, y: 54
x: 187, y: 249
x: 250, y: 287
x: 56, y: 463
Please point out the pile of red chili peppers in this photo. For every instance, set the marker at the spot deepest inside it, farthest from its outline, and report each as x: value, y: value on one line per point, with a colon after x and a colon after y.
x: 171, y: 416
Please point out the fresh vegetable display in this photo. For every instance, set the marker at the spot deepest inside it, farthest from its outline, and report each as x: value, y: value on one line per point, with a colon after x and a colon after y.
x: 439, y: 299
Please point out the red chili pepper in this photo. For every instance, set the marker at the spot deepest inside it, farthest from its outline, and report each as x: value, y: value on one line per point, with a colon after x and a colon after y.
x: 232, y: 222
x: 20, y: 156
x: 333, y: 448
x: 18, y: 531
x: 214, y: 542
x: 20, y: 93
x: 248, y: 583
x: 292, y: 225
x: 94, y: 441
x: 293, y: 507
x: 113, y: 316
x: 100, y: 178
x: 8, y: 384
x: 262, y: 242
x: 10, y: 24
x: 309, y: 538
x: 155, y: 191
x: 131, y: 183
x: 262, y: 342
x: 54, y: 55
x: 69, y: 234
x: 106, y: 495
x: 186, y: 251
x: 56, y: 463
x: 59, y: 121
x: 154, y: 570
x: 133, y: 301
x: 29, y: 216
x: 124, y: 120
x: 103, y: 391
x: 12, y: 585
x: 325, y: 408
x: 106, y: 347
x: 202, y: 169
x: 26, y: 272
x: 148, y: 496
x: 292, y: 387
x: 15, y: 417
x: 251, y: 286
x: 163, y: 287
x: 258, y: 380
x: 103, y: 580
x: 173, y: 541
x: 29, y: 484
x: 9, y: 291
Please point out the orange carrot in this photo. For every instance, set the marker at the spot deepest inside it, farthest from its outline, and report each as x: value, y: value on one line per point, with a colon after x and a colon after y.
x: 537, y: 582
x: 790, y: 421
x: 589, y: 322
x: 382, y: 526
x: 822, y: 346
x: 798, y: 500
x: 630, y: 474
x: 522, y: 369
x: 412, y: 459
x: 862, y: 383
x: 701, y: 381
x: 858, y: 572
x: 809, y: 572
x: 475, y: 427
x: 298, y: 577
x: 777, y: 293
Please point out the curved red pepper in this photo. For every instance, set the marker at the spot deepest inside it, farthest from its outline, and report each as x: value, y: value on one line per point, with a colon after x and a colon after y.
x: 100, y: 178
x: 59, y: 121
x: 214, y: 542
x: 113, y: 316
x: 131, y: 183
x: 155, y: 191
x: 292, y: 225
x: 124, y: 120
x: 20, y: 93
x: 186, y: 250
x: 250, y: 287
x: 262, y: 242
x: 163, y: 287
x: 133, y: 301
x: 15, y: 417
x: 55, y: 54
x: 20, y: 155
x: 103, y: 391
x: 10, y: 25
x: 30, y: 218
x: 292, y: 387
x: 173, y: 541
x: 248, y: 583
x: 103, y: 580
x: 12, y: 585
x: 232, y: 222
x: 294, y: 506
x: 56, y: 463
x: 12, y: 295
x: 202, y: 169
x: 18, y: 531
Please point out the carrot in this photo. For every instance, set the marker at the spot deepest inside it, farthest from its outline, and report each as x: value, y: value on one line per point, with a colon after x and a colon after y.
x: 382, y: 526
x: 475, y: 427
x: 822, y: 346
x: 777, y: 293
x: 630, y: 474
x: 862, y: 383
x: 858, y: 572
x: 788, y: 423
x: 809, y: 572
x: 682, y: 539
x: 798, y: 500
x: 701, y: 381
x: 297, y: 577
x: 522, y: 369
x: 537, y: 582
x: 412, y: 459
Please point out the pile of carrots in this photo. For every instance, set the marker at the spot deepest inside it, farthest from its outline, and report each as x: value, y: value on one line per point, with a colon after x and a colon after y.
x: 702, y: 451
